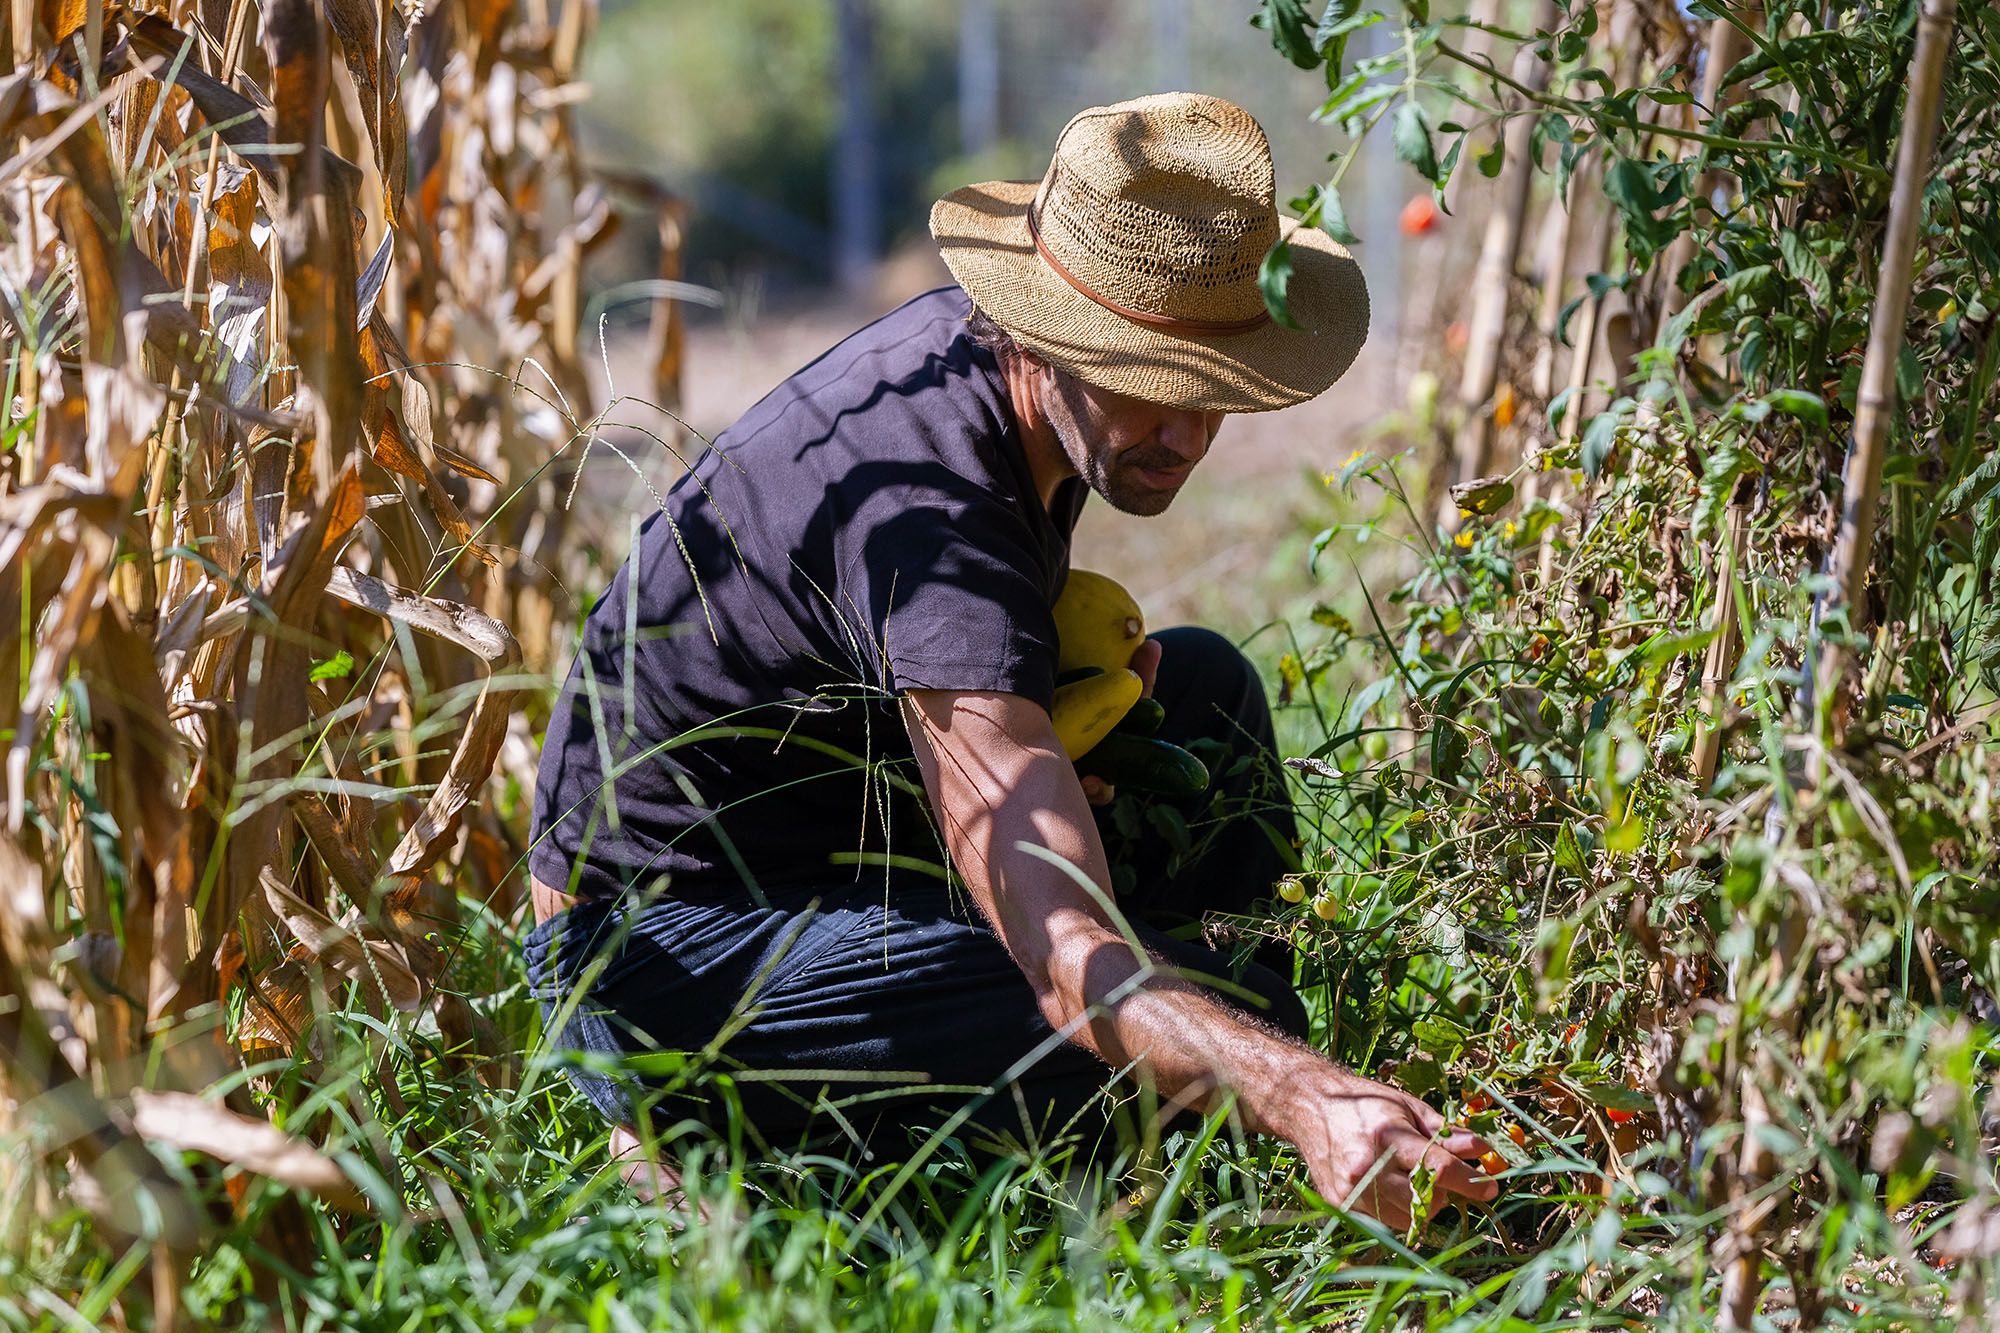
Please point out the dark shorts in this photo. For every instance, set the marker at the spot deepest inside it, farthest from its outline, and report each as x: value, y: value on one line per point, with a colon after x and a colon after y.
x: 834, y: 1012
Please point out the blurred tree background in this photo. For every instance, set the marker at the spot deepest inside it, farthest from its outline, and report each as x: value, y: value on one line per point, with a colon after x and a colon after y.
x: 811, y: 138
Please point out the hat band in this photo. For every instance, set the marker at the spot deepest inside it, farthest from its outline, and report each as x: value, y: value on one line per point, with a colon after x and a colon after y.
x: 1165, y: 323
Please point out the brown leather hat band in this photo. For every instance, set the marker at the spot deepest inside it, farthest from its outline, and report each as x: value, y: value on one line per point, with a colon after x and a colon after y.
x: 1165, y: 323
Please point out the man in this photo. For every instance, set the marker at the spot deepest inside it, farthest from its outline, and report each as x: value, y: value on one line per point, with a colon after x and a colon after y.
x: 825, y: 672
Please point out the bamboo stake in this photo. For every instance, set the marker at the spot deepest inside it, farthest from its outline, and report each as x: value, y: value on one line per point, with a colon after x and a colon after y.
x: 1727, y: 45
x: 1861, y: 485
x: 1552, y: 259
x: 1447, y: 277
x: 1719, y: 663
x: 1861, y: 478
x: 1493, y: 283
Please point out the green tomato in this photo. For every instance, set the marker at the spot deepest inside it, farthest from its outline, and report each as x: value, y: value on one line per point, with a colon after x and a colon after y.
x: 1375, y: 745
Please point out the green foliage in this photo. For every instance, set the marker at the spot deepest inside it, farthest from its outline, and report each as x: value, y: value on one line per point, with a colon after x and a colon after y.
x: 1569, y: 899
x: 1523, y: 891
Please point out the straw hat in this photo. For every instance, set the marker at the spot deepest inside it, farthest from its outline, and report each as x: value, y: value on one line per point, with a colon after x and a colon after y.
x: 1133, y: 264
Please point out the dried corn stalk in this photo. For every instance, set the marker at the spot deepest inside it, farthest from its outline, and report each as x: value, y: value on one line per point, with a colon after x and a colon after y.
x: 292, y: 397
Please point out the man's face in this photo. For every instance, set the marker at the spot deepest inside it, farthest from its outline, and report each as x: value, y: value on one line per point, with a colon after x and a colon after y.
x: 1133, y: 453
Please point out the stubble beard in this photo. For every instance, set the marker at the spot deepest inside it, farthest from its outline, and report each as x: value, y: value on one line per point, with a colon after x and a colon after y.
x: 1115, y: 477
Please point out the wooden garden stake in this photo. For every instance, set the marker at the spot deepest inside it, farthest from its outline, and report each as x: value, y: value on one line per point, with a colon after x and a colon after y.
x: 1875, y: 402
x: 1494, y: 281
x: 1752, y: 1207
x: 1727, y: 44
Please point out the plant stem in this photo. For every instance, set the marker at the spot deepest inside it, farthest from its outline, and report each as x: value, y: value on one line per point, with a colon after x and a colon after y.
x: 1861, y: 478
x: 1557, y: 102
x: 1493, y: 283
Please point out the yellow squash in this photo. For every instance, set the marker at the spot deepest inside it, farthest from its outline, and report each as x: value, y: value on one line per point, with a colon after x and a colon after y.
x: 1097, y: 624
x: 1086, y: 710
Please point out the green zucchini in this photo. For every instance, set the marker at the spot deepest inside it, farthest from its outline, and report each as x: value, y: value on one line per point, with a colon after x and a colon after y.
x: 1143, y: 718
x: 1140, y: 763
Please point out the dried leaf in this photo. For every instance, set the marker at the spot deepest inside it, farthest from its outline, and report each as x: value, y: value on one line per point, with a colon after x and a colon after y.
x: 391, y: 450
x: 280, y: 1008
x: 368, y: 962
x: 193, y: 1124
x: 369, y: 286
x: 269, y: 687
x: 485, y: 728
x: 82, y: 594
x: 129, y: 719
x: 368, y: 52
x: 238, y: 120
x: 313, y: 218
x: 239, y: 279
x: 343, y: 851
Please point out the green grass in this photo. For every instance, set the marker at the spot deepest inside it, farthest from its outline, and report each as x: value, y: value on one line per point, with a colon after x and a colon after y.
x: 498, y: 1207
x: 495, y: 1204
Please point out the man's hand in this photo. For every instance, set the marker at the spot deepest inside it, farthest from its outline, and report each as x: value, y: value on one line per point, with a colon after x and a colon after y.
x: 1145, y: 661
x: 548, y: 902
x: 1344, y: 1124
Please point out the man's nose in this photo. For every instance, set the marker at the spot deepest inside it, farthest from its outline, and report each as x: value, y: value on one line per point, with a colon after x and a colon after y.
x: 1187, y: 434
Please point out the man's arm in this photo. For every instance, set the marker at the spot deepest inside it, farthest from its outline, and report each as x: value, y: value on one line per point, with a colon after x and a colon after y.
x: 998, y: 778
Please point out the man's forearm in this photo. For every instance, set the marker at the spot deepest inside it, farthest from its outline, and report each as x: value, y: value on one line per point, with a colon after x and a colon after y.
x: 1191, y: 1047
x: 1001, y: 785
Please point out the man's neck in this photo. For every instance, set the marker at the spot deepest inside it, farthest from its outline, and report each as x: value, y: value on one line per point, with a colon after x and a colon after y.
x: 1047, y: 463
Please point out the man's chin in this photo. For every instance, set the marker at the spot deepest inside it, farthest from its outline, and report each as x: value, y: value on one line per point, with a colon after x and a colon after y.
x: 1142, y: 501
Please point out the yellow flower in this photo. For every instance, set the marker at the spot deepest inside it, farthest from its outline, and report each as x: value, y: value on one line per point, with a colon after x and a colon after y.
x: 1509, y: 531
x: 1463, y: 540
x: 1353, y: 458
x: 1329, y: 479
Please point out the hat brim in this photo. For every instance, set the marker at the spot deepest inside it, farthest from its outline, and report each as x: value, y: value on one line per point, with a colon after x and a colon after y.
x: 982, y: 233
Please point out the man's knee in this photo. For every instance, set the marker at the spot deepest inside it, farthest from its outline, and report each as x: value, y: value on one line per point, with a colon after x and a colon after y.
x: 1209, y: 687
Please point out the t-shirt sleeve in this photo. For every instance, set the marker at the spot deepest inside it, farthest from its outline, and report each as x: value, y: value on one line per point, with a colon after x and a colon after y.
x: 951, y: 586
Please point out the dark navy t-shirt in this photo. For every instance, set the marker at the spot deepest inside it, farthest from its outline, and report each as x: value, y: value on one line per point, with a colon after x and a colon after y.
x: 870, y: 527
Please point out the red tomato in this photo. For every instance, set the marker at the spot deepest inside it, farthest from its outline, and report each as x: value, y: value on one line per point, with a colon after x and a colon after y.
x: 1419, y: 215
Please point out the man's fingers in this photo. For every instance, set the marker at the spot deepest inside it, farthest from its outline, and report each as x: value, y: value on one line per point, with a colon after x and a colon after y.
x: 1387, y: 1200
x: 1457, y: 1176
x: 1146, y: 661
x: 1427, y: 1117
x: 1465, y: 1143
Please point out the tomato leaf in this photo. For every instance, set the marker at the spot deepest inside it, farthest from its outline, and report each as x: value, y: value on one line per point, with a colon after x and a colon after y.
x: 1569, y: 853
x: 1333, y: 218
x: 1292, y: 32
x: 1807, y: 407
x: 1274, y: 278
x: 337, y: 667
x: 1449, y: 750
x: 1411, y: 137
